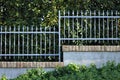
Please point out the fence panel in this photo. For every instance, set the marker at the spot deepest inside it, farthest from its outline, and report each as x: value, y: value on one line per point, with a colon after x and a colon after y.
x: 90, y: 27
x: 29, y: 43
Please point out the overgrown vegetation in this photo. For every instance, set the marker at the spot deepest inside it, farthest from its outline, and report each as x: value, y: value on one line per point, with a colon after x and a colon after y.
x: 45, y: 12
x: 110, y: 71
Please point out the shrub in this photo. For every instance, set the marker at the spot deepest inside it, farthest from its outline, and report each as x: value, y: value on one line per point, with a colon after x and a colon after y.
x: 110, y: 71
x: 3, y: 77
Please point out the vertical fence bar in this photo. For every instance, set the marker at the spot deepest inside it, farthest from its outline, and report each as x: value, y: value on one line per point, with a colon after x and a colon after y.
x: 45, y: 43
x: 112, y: 25
x: 23, y: 41
x: 18, y: 41
x: 94, y: 24
x: 116, y: 26
x: 77, y: 26
x: 59, y: 35
x: 27, y: 42
x: 99, y: 25
x: 73, y: 25
x: 5, y: 41
x: 86, y: 26
x: 107, y: 25
x: 90, y: 25
x: 1, y: 43
x: 32, y: 41
x: 10, y: 41
x: 54, y: 40
x: 36, y: 42
x: 64, y: 27
x: 68, y: 26
x: 82, y: 25
x: 41, y: 40
x: 103, y: 27
x: 14, y: 40
x: 49, y: 40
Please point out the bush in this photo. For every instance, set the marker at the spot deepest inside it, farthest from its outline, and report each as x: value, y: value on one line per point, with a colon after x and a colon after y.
x: 110, y: 71
x: 3, y: 77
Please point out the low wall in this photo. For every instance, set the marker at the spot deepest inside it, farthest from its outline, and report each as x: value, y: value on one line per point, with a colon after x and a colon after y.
x: 82, y: 55
x: 85, y: 55
x: 14, y: 69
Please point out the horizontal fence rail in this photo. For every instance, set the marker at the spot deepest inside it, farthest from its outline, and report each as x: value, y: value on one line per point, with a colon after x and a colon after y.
x: 90, y: 27
x: 29, y: 43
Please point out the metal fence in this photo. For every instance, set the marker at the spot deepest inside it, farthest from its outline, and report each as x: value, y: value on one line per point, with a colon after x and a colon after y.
x: 90, y: 27
x: 29, y: 43
x: 36, y: 43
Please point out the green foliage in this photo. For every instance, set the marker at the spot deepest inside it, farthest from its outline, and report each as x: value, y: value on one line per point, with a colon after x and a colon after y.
x: 3, y: 77
x: 110, y: 71
x: 33, y: 74
x: 105, y: 4
x: 45, y: 12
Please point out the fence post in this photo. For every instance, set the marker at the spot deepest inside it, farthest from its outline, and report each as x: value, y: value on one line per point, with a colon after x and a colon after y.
x: 59, y: 23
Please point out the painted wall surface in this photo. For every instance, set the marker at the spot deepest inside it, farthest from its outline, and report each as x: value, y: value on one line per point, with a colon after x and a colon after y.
x: 86, y: 58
